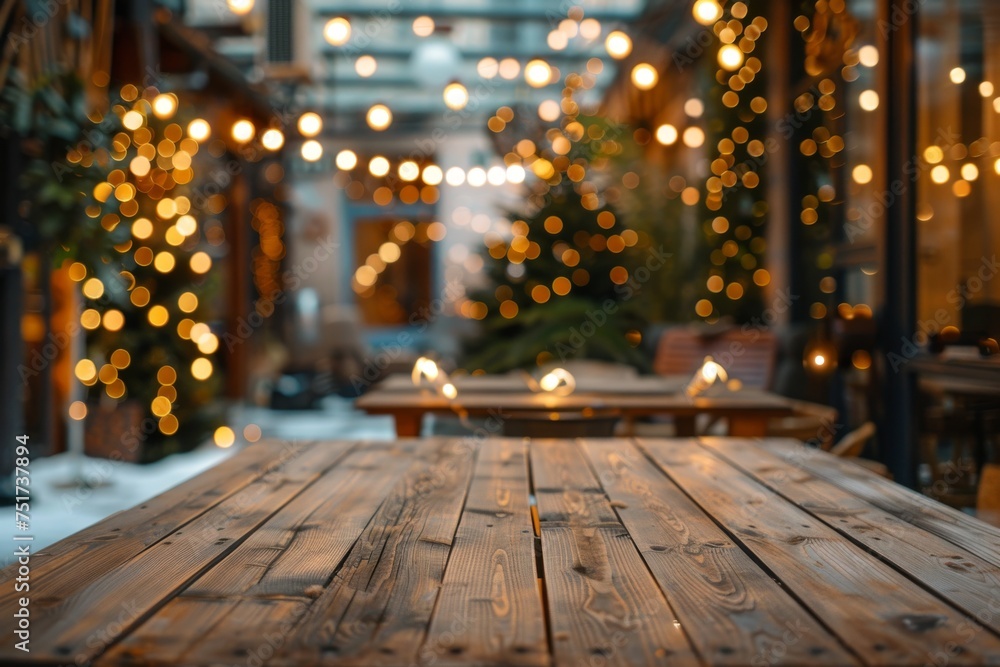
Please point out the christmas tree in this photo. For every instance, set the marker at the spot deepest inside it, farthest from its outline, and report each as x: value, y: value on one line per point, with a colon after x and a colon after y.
x: 734, y: 208
x: 565, y: 282
x: 147, y: 309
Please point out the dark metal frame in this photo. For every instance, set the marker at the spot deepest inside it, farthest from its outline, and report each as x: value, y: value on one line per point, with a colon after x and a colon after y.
x: 897, y: 430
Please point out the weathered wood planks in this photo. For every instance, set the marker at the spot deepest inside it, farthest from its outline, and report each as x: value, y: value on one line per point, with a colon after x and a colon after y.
x: 603, y: 602
x: 427, y: 552
x: 733, y: 611
x: 909, y: 506
x: 489, y: 609
x: 377, y: 608
x: 965, y: 580
x: 882, y: 616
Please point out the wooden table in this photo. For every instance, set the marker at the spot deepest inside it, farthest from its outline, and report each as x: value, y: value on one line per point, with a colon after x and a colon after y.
x: 747, y: 410
x: 432, y: 552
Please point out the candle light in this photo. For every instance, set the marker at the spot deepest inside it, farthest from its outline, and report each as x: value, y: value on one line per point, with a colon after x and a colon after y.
x: 709, y: 373
x: 558, y: 381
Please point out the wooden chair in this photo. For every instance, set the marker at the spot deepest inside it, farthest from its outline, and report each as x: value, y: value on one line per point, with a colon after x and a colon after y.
x: 812, y: 422
x: 988, y: 496
x: 747, y: 356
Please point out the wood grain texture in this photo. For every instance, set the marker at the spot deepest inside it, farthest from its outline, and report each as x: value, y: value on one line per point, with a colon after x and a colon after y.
x: 71, y: 564
x: 304, y: 542
x: 965, y: 580
x: 733, y: 612
x: 489, y: 611
x: 85, y: 623
x: 169, y: 633
x: 376, y: 609
x: 876, y: 611
x: 297, y: 549
x: 909, y: 506
x: 603, y: 603
x: 425, y: 552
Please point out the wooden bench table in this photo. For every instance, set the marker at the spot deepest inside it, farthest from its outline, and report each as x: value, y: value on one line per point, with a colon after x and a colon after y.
x: 502, y: 552
x: 747, y: 411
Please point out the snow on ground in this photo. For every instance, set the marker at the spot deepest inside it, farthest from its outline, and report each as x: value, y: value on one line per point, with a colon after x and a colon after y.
x: 60, y: 507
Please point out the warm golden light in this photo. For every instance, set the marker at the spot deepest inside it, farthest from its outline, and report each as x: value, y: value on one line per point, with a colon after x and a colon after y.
x: 868, y: 100
x: 424, y: 368
x: 666, y: 134
x: 365, y: 66
x: 618, y: 44
x: 346, y: 160
x: 488, y: 68
x: 694, y: 107
x: 433, y: 175
x: 85, y: 370
x: 158, y: 316
x: 693, y: 137
x: 310, y: 124
x: 644, y: 76
x: 957, y: 75
x: 549, y: 111
x: 201, y: 368
x: 312, y: 150
x: 730, y: 57
x: 187, y: 302
x: 240, y: 7
x: 164, y: 105
x: 201, y: 262
x: 186, y: 225
x: 537, y: 73
x: 378, y: 166
x: 77, y: 410
x: 515, y: 174
x: 448, y: 390
x: 337, y: 31
x: 862, y: 174
x: 164, y: 262
x: 224, y: 437
x: 706, y: 12
x: 868, y: 55
x: 133, y: 120
x: 409, y: 171
x: 476, y: 177
x: 272, y: 139
x: 93, y: 288
x: 709, y: 373
x: 456, y: 96
x: 423, y: 26
x: 558, y: 381
x: 199, y: 130
x: 243, y: 131
x: 379, y: 117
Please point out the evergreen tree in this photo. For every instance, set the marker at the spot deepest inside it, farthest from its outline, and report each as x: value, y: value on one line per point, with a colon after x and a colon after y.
x: 148, y: 308
x: 561, y: 283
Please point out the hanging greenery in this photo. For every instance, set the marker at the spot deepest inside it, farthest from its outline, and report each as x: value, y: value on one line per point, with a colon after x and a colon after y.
x: 66, y: 154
